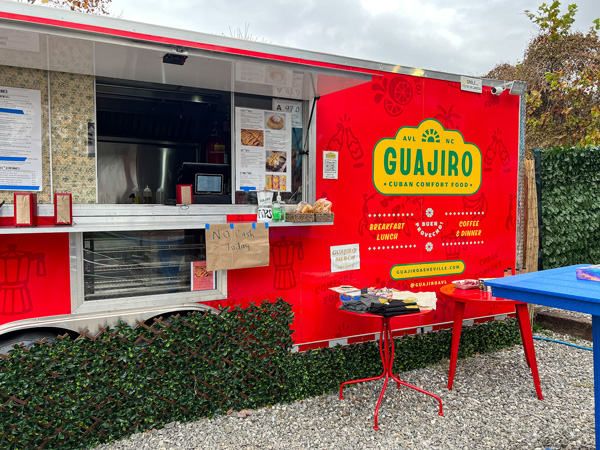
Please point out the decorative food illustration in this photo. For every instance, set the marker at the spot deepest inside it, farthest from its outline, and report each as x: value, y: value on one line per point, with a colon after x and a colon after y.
x: 268, y: 182
x: 282, y: 182
x: 253, y: 138
x: 276, y: 162
x: 275, y: 182
x: 275, y: 122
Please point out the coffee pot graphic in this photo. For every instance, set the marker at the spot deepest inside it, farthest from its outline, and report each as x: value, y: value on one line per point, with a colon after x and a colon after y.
x: 283, y: 252
x: 14, y: 279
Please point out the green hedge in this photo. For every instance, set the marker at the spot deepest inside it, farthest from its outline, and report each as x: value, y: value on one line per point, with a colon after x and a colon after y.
x: 81, y: 393
x: 570, y: 205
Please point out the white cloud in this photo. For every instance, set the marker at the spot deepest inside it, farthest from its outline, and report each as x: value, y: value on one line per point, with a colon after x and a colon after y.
x: 462, y: 36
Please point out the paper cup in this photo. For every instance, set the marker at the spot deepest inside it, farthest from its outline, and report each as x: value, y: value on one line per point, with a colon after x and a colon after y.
x: 265, y: 198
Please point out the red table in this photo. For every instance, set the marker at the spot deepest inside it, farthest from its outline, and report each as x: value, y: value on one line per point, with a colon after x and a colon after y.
x: 463, y: 296
x: 386, y: 351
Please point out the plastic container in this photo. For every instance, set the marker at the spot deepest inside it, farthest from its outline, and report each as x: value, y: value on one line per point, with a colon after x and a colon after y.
x: 277, y: 209
x: 281, y: 207
x: 136, y: 195
x: 160, y: 196
x: 147, y: 195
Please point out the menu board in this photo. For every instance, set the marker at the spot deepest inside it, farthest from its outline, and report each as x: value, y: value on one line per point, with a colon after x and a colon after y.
x: 263, y: 150
x: 20, y: 139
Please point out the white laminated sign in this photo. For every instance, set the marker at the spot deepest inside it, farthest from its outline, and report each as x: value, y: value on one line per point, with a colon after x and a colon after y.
x: 345, y: 257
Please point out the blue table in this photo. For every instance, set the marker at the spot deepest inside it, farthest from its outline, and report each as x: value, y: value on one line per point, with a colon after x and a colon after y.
x: 559, y: 288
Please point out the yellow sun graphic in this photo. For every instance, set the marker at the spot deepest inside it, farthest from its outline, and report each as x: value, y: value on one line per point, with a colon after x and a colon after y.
x: 430, y: 136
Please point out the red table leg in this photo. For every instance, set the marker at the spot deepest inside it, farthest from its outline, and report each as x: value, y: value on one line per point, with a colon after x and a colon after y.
x: 525, y: 349
x: 386, y: 351
x: 459, y: 309
x: 404, y: 383
x: 527, y: 338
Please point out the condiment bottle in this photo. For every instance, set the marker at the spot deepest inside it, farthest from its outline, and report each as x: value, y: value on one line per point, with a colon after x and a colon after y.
x: 160, y: 196
x: 136, y: 194
x: 147, y: 195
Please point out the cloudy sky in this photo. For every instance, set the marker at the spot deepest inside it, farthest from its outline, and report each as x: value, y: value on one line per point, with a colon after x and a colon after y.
x: 461, y: 36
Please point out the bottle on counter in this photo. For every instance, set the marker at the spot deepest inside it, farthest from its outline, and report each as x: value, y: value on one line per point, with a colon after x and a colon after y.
x: 136, y: 195
x: 281, y: 204
x: 147, y: 195
x: 160, y: 196
x: 277, y: 209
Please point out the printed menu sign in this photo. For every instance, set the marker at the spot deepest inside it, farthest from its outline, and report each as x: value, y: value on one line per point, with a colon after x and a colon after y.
x: 263, y: 150
x: 202, y: 279
x: 330, y: 165
x: 20, y: 139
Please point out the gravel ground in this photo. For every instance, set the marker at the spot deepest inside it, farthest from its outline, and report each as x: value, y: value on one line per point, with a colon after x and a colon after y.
x: 564, y: 311
x: 493, y: 405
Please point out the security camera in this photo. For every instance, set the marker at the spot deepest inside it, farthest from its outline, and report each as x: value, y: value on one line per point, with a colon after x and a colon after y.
x: 497, y: 90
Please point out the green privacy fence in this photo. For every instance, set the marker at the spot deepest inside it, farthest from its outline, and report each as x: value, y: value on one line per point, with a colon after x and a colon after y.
x: 76, y: 394
x: 568, y: 181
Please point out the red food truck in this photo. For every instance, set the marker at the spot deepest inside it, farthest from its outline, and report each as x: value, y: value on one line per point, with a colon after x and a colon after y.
x: 126, y: 147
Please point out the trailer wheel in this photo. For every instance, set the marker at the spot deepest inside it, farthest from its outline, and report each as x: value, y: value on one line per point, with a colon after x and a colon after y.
x: 27, y: 338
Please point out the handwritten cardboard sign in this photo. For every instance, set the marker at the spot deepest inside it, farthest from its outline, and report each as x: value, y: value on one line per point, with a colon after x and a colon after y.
x: 235, y: 246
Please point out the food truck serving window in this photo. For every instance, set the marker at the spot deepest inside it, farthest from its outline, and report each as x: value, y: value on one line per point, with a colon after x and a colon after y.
x: 152, y: 137
x: 150, y: 134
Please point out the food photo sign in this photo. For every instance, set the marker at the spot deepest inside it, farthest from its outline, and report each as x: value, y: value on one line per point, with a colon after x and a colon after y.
x: 264, y: 148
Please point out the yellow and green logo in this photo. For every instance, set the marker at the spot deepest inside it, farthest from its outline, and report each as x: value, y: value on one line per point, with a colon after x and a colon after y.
x: 426, y: 160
